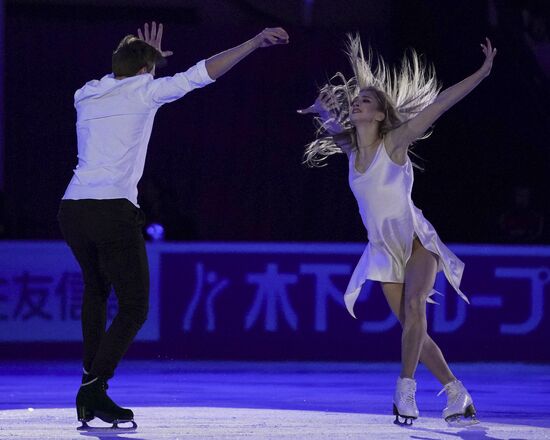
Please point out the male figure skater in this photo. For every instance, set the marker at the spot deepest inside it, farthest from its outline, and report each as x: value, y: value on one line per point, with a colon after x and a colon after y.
x: 99, y: 215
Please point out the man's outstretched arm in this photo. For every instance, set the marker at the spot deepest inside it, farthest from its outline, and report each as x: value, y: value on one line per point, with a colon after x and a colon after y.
x: 170, y: 88
x: 219, y: 64
x: 224, y: 61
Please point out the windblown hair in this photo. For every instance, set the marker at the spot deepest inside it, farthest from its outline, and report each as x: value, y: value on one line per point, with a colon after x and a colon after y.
x: 401, y: 94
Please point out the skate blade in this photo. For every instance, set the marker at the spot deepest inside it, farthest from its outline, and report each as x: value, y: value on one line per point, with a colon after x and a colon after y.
x: 461, y: 421
x: 406, y: 422
x: 115, y: 427
x: 402, y: 420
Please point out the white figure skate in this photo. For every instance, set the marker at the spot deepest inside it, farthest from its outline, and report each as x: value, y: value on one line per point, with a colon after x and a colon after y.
x: 404, y: 403
x: 460, y: 410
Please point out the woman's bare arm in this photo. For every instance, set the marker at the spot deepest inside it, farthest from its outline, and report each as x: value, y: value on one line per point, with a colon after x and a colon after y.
x: 404, y: 135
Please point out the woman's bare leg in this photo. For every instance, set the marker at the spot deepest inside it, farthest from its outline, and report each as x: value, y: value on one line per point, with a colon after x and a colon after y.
x: 430, y: 354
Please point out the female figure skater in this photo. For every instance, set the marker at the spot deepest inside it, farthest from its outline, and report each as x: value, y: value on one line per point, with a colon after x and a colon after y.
x: 374, y: 118
x: 99, y: 215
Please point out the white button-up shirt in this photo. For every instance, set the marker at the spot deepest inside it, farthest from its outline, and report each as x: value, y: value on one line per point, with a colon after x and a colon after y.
x: 114, y: 123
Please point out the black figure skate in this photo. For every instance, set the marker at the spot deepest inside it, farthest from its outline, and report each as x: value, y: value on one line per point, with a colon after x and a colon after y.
x: 92, y: 401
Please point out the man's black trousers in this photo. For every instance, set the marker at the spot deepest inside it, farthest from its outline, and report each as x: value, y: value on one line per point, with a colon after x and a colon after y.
x: 105, y: 237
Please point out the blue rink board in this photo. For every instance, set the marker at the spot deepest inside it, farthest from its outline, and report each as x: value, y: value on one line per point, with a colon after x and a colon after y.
x: 284, y: 301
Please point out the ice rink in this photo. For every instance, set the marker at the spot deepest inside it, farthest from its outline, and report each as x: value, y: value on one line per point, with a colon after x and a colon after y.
x: 272, y: 400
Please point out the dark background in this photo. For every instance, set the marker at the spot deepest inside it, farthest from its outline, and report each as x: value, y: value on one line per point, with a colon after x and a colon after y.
x: 224, y: 162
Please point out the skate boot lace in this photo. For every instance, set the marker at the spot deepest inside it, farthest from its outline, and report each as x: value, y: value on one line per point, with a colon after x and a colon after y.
x: 407, y: 394
x: 453, y: 390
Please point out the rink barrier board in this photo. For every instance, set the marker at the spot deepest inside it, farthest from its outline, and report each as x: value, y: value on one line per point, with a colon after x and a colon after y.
x: 284, y: 301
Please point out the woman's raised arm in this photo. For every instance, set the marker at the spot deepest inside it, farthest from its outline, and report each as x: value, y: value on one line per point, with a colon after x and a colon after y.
x: 401, y: 137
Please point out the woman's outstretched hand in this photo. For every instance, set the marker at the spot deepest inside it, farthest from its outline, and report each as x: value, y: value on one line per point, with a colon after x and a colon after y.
x: 324, y: 106
x: 154, y: 37
x: 490, y: 53
x: 271, y: 36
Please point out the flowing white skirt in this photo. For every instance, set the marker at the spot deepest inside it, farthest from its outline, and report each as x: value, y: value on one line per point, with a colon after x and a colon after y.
x: 385, y: 258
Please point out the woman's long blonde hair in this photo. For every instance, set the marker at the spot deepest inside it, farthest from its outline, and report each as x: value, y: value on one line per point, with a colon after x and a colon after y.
x: 401, y: 93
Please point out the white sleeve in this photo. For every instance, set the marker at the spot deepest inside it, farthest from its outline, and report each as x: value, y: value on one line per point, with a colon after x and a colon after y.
x: 169, y: 88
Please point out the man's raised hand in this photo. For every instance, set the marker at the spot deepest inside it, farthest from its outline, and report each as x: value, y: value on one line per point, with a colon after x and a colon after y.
x: 154, y: 37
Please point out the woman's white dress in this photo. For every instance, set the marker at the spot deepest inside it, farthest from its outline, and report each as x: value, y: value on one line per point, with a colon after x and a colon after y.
x: 383, y: 193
